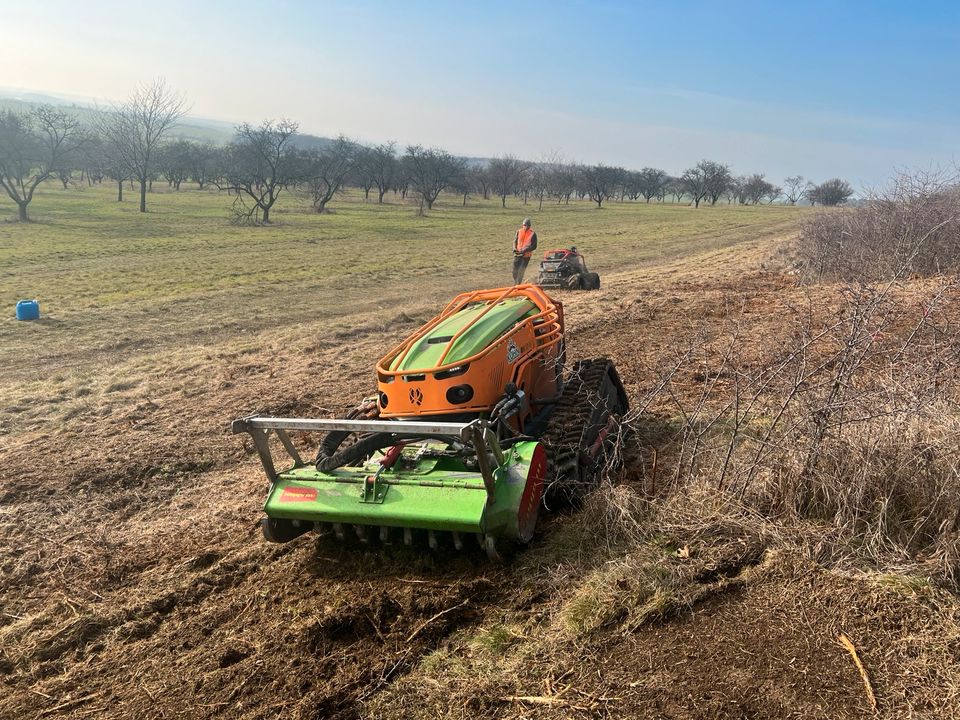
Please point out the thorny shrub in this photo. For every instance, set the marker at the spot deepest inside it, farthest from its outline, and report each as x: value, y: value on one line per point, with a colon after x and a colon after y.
x: 912, y: 227
x: 841, y: 428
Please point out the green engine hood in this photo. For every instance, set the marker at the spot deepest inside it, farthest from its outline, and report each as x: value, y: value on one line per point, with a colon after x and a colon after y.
x: 425, y: 353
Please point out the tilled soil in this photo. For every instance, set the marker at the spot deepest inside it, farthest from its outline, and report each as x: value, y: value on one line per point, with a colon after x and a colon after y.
x: 135, y: 582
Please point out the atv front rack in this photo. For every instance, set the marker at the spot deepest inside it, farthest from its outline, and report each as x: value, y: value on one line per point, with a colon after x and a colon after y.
x: 478, y: 433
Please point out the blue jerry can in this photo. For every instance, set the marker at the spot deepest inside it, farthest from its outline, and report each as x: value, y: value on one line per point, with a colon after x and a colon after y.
x: 28, y: 310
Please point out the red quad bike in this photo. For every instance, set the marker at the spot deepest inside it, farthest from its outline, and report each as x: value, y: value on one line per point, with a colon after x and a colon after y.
x: 566, y: 269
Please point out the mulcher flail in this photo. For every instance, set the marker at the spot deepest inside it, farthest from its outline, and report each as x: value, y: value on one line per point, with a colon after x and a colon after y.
x: 473, y: 426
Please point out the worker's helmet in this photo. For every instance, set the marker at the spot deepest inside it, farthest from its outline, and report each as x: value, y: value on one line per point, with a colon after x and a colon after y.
x: 526, y: 222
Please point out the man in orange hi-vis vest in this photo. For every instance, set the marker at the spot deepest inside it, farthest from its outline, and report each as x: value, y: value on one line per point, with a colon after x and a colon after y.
x: 523, y: 246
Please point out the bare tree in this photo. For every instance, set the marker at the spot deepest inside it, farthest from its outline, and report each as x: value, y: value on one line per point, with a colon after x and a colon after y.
x: 562, y: 182
x: 482, y: 177
x: 506, y: 176
x: 361, y: 174
x: 831, y: 192
x: 736, y: 189
x: 204, y: 163
x: 138, y: 128
x: 539, y: 182
x: 755, y: 188
x: 695, y: 182
x: 72, y: 159
x: 599, y: 182
x: 465, y: 183
x: 708, y: 179
x: 631, y: 185
x: 718, y: 179
x: 793, y: 188
x: 115, y: 164
x: 173, y: 160
x: 675, y: 186
x: 383, y: 167
x: 327, y: 170
x: 431, y: 171
x: 651, y: 182
x: 93, y: 165
x: 260, y: 164
x: 32, y: 149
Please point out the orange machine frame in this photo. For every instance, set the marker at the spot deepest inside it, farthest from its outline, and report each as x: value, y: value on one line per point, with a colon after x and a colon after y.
x: 529, y: 355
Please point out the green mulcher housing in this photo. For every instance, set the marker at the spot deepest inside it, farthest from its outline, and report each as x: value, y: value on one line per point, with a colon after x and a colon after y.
x: 473, y: 426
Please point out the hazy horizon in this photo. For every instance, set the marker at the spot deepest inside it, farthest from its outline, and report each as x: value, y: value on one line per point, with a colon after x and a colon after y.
x: 855, y: 92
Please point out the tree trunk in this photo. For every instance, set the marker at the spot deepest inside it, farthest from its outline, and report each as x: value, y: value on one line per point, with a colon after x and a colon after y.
x: 266, y: 216
x: 143, y: 196
x: 366, y: 194
x: 119, y: 190
x: 503, y: 201
x: 22, y: 211
x: 380, y: 199
x: 540, y: 206
x: 464, y: 200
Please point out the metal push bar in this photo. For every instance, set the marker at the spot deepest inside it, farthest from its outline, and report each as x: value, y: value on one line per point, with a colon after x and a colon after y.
x: 477, y: 433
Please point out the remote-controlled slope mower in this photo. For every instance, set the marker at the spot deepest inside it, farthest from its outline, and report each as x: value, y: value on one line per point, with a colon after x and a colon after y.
x: 473, y: 424
x: 566, y: 269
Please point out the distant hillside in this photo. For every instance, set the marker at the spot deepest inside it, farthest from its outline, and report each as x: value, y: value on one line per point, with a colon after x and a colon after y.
x: 191, y: 128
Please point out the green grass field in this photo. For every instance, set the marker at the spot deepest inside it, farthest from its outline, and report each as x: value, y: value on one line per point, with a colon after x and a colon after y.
x: 110, y: 279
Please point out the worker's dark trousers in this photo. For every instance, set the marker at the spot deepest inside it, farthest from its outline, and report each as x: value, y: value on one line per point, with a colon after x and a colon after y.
x: 519, y: 268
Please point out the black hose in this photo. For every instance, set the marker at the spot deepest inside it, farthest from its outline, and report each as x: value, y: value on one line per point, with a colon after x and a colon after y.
x: 329, y: 458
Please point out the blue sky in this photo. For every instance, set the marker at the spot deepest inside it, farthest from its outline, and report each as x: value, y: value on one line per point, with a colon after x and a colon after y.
x: 856, y: 89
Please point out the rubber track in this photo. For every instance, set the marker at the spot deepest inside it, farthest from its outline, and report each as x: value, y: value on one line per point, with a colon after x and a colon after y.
x: 573, y: 428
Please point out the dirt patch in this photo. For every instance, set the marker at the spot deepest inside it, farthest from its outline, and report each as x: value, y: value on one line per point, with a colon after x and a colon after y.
x: 268, y: 630
x: 762, y: 644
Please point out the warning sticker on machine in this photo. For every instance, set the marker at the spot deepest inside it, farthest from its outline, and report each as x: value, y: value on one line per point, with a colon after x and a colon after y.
x: 298, y: 494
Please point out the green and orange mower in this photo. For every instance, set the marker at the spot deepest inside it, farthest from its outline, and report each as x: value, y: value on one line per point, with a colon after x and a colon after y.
x: 475, y: 426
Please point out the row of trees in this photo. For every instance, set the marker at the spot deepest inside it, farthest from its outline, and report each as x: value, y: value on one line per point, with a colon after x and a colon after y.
x: 124, y: 143
x: 131, y: 142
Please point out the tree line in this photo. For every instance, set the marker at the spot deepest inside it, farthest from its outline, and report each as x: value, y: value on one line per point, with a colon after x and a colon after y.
x: 134, y: 142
